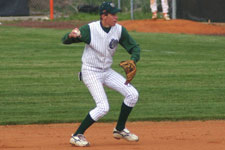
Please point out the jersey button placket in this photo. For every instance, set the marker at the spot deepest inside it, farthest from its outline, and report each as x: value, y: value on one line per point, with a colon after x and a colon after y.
x: 105, y: 52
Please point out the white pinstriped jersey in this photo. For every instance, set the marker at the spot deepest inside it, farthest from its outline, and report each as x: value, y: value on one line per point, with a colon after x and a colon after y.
x: 98, y: 54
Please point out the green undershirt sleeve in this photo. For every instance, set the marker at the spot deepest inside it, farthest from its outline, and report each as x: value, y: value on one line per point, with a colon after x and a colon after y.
x: 85, y: 36
x: 127, y: 42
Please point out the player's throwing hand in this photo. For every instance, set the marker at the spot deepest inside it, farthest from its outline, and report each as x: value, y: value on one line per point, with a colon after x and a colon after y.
x: 75, y: 33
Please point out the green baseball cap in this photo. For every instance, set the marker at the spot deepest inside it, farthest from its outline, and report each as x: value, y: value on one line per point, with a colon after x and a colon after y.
x: 108, y: 7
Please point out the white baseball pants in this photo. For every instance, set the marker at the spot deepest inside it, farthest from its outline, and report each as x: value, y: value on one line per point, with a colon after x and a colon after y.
x: 96, y: 79
x: 164, y: 3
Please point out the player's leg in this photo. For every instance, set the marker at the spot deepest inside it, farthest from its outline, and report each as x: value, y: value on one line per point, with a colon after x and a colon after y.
x: 153, y: 6
x: 165, y: 8
x: 116, y: 81
x: 93, y: 82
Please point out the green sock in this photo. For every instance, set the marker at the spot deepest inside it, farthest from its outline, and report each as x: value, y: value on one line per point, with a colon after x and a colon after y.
x: 86, y: 123
x: 124, y: 113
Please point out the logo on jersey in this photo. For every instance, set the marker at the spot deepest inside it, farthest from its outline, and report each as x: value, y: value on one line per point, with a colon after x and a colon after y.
x: 113, y: 43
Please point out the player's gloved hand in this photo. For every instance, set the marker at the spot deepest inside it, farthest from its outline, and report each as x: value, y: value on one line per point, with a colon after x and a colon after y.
x: 129, y: 67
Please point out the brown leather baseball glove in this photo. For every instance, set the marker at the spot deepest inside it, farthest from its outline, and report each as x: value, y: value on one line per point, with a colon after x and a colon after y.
x: 130, y: 69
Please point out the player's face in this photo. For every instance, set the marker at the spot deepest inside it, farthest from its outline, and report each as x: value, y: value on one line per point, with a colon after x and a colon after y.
x: 110, y: 20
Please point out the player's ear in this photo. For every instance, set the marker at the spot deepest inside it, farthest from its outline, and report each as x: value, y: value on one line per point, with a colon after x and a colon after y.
x: 103, y: 16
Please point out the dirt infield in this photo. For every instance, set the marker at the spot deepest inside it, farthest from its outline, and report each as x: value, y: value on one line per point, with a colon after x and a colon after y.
x: 148, y: 25
x: 174, y: 26
x: 185, y: 135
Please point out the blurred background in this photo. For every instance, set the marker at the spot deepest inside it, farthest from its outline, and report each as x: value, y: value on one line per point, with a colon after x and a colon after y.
x: 197, y: 10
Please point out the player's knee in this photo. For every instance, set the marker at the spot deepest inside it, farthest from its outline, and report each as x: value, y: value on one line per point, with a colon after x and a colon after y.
x: 103, y: 110
x: 134, y: 96
x: 132, y: 99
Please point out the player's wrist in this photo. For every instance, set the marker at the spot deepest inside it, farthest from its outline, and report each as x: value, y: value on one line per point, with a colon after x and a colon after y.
x: 134, y: 60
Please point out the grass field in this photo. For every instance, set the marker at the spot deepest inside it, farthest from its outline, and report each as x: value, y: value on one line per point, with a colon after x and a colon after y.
x: 179, y: 77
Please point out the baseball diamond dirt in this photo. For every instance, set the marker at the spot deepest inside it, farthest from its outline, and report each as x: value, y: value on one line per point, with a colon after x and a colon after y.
x: 181, y: 135
x: 185, y: 135
x: 159, y: 26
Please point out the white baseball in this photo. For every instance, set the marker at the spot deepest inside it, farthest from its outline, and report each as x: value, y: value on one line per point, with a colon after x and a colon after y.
x: 76, y: 31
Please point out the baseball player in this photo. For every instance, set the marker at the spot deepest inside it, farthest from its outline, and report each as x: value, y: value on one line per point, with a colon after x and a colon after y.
x: 165, y: 7
x: 102, y: 38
